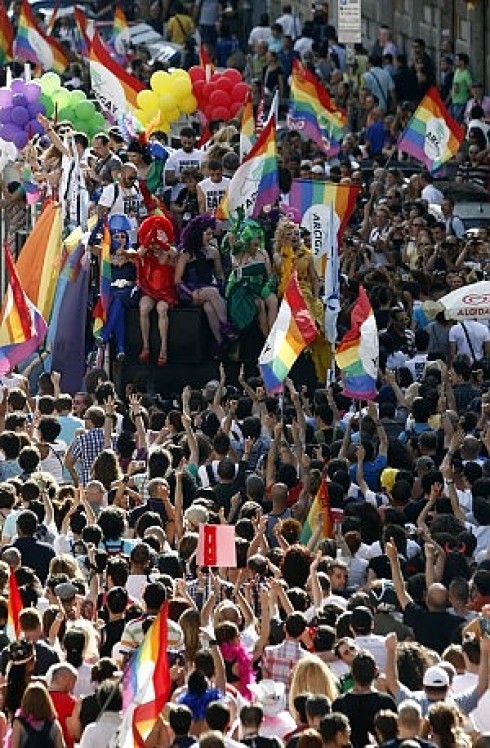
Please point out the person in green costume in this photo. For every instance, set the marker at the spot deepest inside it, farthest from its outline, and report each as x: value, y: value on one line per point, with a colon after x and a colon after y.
x: 251, y: 287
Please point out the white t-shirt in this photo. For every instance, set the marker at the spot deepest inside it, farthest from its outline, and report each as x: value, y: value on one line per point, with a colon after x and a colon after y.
x: 258, y: 34
x: 213, y: 192
x: 53, y: 462
x: 375, y: 644
x: 10, y: 382
x: 125, y: 201
x: 482, y: 535
x: 478, y: 335
x: 417, y: 366
x: 432, y: 195
x: 180, y: 160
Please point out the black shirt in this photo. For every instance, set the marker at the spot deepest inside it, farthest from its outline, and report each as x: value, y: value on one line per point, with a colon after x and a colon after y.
x: 433, y: 630
x: 361, y: 708
x: 36, y: 555
x: 111, y: 634
x: 45, y: 657
x: 152, y: 505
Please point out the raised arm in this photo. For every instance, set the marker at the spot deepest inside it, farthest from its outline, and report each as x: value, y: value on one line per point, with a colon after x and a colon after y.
x: 391, y: 668
x: 137, y: 418
x: 401, y: 592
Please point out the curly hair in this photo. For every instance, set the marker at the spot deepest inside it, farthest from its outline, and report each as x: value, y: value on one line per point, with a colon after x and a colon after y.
x: 192, y: 234
x: 413, y: 660
x: 296, y: 566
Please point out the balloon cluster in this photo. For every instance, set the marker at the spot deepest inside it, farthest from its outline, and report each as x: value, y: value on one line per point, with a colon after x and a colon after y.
x: 222, y: 96
x: 19, y: 106
x: 72, y: 106
x: 169, y: 97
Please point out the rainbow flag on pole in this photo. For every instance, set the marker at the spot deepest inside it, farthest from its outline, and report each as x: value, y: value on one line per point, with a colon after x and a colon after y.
x: 120, y: 24
x: 293, y: 330
x: 115, y: 88
x: 146, y: 684
x: 33, y: 45
x: 358, y: 352
x: 6, y: 36
x: 103, y: 302
x: 313, y: 113
x: 22, y: 327
x: 14, y: 608
x: 432, y: 136
x: 247, y: 133
x: 81, y: 33
x: 255, y: 183
x: 321, y: 504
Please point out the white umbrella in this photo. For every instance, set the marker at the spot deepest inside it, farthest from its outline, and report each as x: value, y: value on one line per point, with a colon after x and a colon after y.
x: 469, y: 302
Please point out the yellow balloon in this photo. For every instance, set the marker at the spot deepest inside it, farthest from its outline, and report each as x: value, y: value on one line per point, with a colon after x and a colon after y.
x: 164, y: 126
x: 167, y: 102
x: 180, y: 88
x: 159, y: 82
x: 188, y: 105
x: 179, y: 73
x: 173, y: 115
x: 145, y: 116
x: 147, y: 100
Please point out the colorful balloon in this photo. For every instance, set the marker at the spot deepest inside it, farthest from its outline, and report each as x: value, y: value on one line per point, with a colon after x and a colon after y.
x: 188, y: 105
x: 5, y: 97
x: 159, y: 82
x: 147, y: 100
x: 197, y: 74
x: 240, y: 92
x: 50, y: 82
x: 220, y: 112
x: 84, y: 110
x: 19, y: 115
x: 220, y: 98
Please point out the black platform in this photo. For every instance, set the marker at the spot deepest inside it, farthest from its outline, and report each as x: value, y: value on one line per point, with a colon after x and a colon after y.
x: 189, y: 352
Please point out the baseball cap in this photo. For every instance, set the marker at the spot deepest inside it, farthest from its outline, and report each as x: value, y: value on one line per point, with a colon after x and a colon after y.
x: 65, y: 591
x: 424, y: 462
x: 435, y: 677
x: 388, y: 478
x: 317, y: 169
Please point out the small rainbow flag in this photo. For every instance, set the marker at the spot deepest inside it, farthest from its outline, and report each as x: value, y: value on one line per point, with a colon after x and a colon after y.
x: 39, y: 262
x: 358, y: 352
x: 293, y: 330
x: 321, y: 504
x: 146, y: 683
x: 312, y: 111
x: 247, y: 132
x: 14, y: 608
x: 33, y: 45
x: 432, y: 136
x: 120, y: 24
x: 115, y: 88
x: 101, y: 309
x: 255, y: 183
x: 81, y: 35
x: 22, y: 328
x: 6, y: 36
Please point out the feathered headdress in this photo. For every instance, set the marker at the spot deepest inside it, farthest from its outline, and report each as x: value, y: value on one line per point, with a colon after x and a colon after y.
x: 156, y: 229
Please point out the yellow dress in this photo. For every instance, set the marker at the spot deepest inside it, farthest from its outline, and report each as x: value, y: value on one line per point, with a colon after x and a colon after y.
x: 300, y: 261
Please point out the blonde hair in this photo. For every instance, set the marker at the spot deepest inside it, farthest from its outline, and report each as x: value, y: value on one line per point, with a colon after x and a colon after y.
x: 65, y: 564
x: 189, y: 622
x: 311, y: 675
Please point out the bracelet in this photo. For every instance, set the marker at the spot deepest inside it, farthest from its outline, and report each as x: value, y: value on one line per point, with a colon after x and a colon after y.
x: 136, y: 415
x: 449, y: 482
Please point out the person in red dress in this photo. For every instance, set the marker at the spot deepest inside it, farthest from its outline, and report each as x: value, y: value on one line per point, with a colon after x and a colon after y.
x: 155, y: 260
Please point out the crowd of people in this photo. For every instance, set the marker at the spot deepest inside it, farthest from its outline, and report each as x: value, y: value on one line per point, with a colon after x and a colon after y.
x: 374, y: 634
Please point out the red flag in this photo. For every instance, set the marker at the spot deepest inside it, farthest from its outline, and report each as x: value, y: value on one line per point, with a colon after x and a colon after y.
x: 216, y: 546
x: 14, y: 608
x: 204, y: 59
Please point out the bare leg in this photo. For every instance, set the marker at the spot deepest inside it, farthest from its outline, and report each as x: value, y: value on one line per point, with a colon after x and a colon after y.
x: 212, y: 296
x: 271, y: 305
x: 262, y: 317
x: 213, y: 320
x: 162, y: 311
x: 146, y: 305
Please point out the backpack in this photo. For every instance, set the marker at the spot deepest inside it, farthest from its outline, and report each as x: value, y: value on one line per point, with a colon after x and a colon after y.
x: 37, y: 738
x: 113, y: 551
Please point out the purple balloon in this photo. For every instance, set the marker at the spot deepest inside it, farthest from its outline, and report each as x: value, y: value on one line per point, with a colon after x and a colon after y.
x: 37, y: 107
x: 20, y: 139
x: 32, y: 92
x: 19, y: 100
x: 5, y: 115
x: 20, y: 115
x: 9, y: 132
x: 18, y: 86
x: 5, y: 97
x: 34, y: 127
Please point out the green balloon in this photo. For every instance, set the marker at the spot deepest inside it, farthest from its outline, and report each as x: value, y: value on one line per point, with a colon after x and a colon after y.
x: 76, y: 97
x: 48, y: 105
x: 98, y: 122
x: 85, y: 110
x: 80, y: 125
x: 65, y: 114
x: 50, y: 82
x: 61, y: 97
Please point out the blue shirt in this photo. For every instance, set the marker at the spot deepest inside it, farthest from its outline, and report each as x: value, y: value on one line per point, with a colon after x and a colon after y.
x: 372, y: 471
x: 375, y: 135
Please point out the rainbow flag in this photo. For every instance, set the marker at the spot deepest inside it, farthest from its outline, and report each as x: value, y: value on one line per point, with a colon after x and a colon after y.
x: 313, y: 113
x: 120, y: 24
x: 14, y: 608
x: 293, y: 330
x: 103, y: 302
x: 113, y: 86
x: 33, y: 45
x: 22, y: 327
x: 247, y: 132
x: 146, y: 683
x: 321, y: 504
x: 39, y: 262
x: 81, y: 32
x: 54, y: 17
x: 255, y: 183
x: 6, y: 36
x: 432, y: 136
x: 358, y: 352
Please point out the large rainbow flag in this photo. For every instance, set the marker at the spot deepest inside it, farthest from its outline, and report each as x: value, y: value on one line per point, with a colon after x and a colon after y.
x: 39, y: 262
x: 115, y: 88
x: 120, y: 24
x: 312, y: 111
x: 247, y: 132
x: 14, y: 608
x: 293, y: 330
x: 6, y: 36
x: 33, y: 45
x: 255, y: 183
x: 321, y: 504
x: 432, y: 136
x: 146, y: 683
x: 103, y: 302
x: 358, y: 352
x: 22, y: 327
